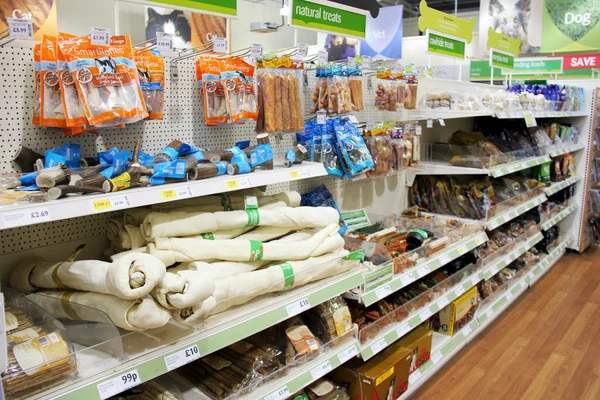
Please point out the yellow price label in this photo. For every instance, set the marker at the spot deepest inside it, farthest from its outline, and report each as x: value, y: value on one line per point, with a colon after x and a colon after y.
x: 294, y: 174
x: 103, y: 204
x: 232, y: 184
x: 168, y: 194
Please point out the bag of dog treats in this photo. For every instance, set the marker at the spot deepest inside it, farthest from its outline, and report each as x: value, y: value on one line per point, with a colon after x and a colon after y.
x: 37, y: 56
x: 215, y: 107
x: 106, y: 79
x: 236, y: 78
x: 52, y: 112
x: 151, y: 71
x: 74, y: 113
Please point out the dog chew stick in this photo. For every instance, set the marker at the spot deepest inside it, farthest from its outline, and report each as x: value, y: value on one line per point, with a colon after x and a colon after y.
x: 124, y: 180
x: 260, y: 120
x: 136, y: 153
x: 278, y: 85
x: 269, y: 102
x: 169, y: 153
x: 203, y: 171
x: 297, y: 102
x: 234, y: 169
x: 26, y: 158
x: 225, y: 155
x: 53, y: 176
x: 286, y: 114
x: 263, y: 138
x: 299, y: 152
x: 58, y: 192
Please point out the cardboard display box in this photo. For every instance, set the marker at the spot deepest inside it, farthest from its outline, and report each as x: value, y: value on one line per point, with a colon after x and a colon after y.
x: 457, y: 314
x: 418, y: 342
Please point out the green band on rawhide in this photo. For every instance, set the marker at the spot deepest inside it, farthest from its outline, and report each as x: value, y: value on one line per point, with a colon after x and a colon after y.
x: 208, y: 236
x: 253, y: 217
x: 256, y: 250
x: 288, y: 275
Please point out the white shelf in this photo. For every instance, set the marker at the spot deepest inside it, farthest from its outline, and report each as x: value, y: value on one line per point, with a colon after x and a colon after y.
x: 519, y: 249
x: 559, y: 217
x: 558, y: 186
x: 540, y: 114
x: 506, y: 216
x: 566, y: 148
x: 81, y: 205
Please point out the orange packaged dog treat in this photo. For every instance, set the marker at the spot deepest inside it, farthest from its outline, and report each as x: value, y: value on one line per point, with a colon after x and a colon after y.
x: 37, y: 56
x: 236, y: 78
x: 151, y: 70
x: 74, y: 112
x: 106, y: 79
x: 215, y: 107
x: 52, y: 112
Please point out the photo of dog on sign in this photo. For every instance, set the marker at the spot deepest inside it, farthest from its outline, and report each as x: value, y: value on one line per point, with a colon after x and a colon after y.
x: 513, y: 18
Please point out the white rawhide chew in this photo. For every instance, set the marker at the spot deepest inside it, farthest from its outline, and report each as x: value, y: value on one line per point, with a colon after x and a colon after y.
x: 240, y: 289
x: 133, y: 315
x: 186, y: 250
x: 183, y: 289
x: 135, y: 216
x: 113, y: 229
x: 130, y: 277
x: 177, y: 224
x: 131, y: 237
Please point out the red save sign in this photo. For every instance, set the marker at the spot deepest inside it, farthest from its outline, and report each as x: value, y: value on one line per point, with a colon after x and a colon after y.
x: 578, y: 61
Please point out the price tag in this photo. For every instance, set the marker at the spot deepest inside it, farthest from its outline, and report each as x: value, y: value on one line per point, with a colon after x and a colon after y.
x: 531, y: 275
x: 462, y: 250
x: 442, y: 122
x: 425, y: 315
x: 422, y: 271
x: 347, y: 354
x: 257, y: 50
x: 489, y: 313
x: 182, y: 357
x: 403, y: 330
x: 234, y: 184
x: 415, y: 376
x: 474, y: 280
x: 529, y: 119
x: 321, y: 118
x: 164, y: 41
x: 280, y: 394
x: 351, y: 62
x: 419, y: 130
x: 366, y: 62
x: 383, y: 291
x: 322, y: 58
x: 302, y: 50
x: 508, y: 295
x: 100, y: 36
x: 119, y: 202
x: 220, y: 45
x: 321, y: 370
x: 436, y: 357
x: 173, y: 194
x: 430, y: 123
x: 119, y: 384
x: 25, y: 217
x: 378, y: 346
x: 443, y: 302
x: 522, y: 284
x: 445, y: 259
x: 407, y: 279
x: 467, y: 330
x: 19, y: 28
x: 459, y: 291
x: 298, y: 307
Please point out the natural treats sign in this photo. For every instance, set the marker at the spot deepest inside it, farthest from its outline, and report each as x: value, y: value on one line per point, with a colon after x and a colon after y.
x: 327, y: 16
x: 447, y: 35
x: 570, y: 25
x: 536, y: 65
x: 225, y: 8
x: 503, y: 49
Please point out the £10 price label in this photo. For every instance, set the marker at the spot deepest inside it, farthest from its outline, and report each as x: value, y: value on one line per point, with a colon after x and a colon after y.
x: 298, y: 307
x: 119, y: 384
x: 182, y: 357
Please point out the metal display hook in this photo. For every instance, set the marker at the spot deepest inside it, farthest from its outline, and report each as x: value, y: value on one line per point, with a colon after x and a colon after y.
x: 5, y: 34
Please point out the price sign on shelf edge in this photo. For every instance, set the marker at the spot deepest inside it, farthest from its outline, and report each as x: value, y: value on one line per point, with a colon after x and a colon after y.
x: 27, y: 216
x: 347, y: 354
x: 298, y: 307
x: 19, y: 28
x: 119, y: 384
x: 182, y: 357
x: 100, y: 36
x: 321, y: 370
x: 280, y: 394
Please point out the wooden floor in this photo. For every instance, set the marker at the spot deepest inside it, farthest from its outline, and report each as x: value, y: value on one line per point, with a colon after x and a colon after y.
x: 545, y: 346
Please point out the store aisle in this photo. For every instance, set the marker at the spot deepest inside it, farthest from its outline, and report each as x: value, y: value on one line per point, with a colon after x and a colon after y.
x: 546, y: 346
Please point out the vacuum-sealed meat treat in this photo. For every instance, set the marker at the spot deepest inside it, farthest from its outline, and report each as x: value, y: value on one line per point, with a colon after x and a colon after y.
x: 151, y: 71
x: 52, y: 112
x: 356, y: 93
x: 302, y: 339
x: 106, y: 79
x: 342, y: 90
x: 37, y: 56
x: 215, y: 107
x: 74, y: 112
x: 236, y: 78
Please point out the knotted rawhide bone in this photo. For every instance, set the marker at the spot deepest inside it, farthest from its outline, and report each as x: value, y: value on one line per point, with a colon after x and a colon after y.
x: 263, y: 138
x: 299, y: 153
x: 26, y: 158
x: 61, y: 191
x: 52, y: 176
x: 170, y: 153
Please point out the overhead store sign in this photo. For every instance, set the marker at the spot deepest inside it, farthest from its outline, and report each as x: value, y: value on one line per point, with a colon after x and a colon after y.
x: 445, y: 45
x: 445, y: 23
x: 570, y: 25
x: 326, y: 16
x: 225, y: 8
x: 503, y: 49
x: 581, y: 61
x: 482, y: 71
x: 501, y: 59
x: 537, y: 65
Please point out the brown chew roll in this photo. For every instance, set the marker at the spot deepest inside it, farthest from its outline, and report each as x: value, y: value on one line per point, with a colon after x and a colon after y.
x: 61, y: 191
x: 26, y: 158
x: 297, y: 104
x: 263, y: 138
x: 234, y: 169
x: 286, y: 115
x: 300, y: 152
x: 162, y: 157
x: 203, y: 171
x: 269, y: 102
x: 53, y: 176
x: 278, y: 106
x: 260, y: 120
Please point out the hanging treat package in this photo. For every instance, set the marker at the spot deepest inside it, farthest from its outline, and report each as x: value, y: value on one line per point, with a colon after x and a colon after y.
x: 355, y: 154
x: 329, y: 152
x: 74, y: 112
x: 37, y: 56
x: 356, y: 93
x: 51, y: 108
x: 151, y: 71
x: 236, y: 79
x: 106, y: 79
x: 215, y: 107
x: 341, y: 89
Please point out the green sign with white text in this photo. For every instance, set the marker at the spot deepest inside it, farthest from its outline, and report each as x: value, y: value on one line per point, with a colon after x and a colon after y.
x: 481, y: 71
x: 226, y: 8
x: 537, y: 65
x: 502, y: 60
x: 328, y: 17
x: 438, y: 43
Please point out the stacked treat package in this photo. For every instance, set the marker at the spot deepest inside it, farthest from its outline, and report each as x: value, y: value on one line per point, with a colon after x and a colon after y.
x: 194, y: 259
x: 396, y: 90
x: 338, y: 144
x: 63, y: 172
x: 393, y: 147
x: 242, y: 367
x: 338, y: 90
x: 560, y: 168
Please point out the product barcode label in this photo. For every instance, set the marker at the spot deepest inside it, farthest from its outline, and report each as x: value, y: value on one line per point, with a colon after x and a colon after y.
x: 297, y: 307
x: 403, y: 330
x: 119, y: 384
x: 347, y: 354
x: 321, y: 370
x: 302, y: 50
x: 467, y: 330
x: 28, y: 216
x: 220, y: 45
x: 383, y: 292
x: 436, y: 357
x: 182, y: 357
x: 164, y: 41
x: 19, y: 28
x: 100, y: 36
x: 378, y: 346
x: 280, y: 394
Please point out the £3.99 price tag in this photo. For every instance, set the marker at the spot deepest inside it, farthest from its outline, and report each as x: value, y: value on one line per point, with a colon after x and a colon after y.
x: 280, y: 394
x: 321, y: 370
x: 182, y: 357
x: 298, y: 307
x: 100, y: 36
x: 119, y: 384
x: 28, y: 216
x: 19, y: 28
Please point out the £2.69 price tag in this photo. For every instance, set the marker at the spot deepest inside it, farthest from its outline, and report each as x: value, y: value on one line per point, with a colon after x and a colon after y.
x: 119, y: 384
x: 27, y: 216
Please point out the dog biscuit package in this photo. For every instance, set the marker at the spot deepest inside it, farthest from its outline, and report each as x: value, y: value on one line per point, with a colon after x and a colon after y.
x: 37, y: 56
x: 52, y: 112
x: 151, y: 70
x: 215, y: 107
x: 236, y: 78
x: 74, y: 113
x: 106, y: 79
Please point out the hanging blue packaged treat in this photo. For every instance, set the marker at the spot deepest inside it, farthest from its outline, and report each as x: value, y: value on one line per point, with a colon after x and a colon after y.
x: 329, y: 153
x: 120, y: 161
x: 352, y: 146
x: 321, y: 197
x: 107, y: 157
x: 305, y: 138
x: 72, y: 152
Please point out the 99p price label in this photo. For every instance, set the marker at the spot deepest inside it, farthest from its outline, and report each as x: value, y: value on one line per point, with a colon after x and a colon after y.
x: 119, y: 384
x: 182, y: 357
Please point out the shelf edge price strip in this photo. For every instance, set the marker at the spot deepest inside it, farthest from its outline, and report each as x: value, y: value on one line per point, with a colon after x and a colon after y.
x: 16, y: 218
x: 280, y: 394
x: 321, y: 370
x: 182, y: 357
x: 119, y: 384
x: 298, y: 307
x: 112, y: 203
